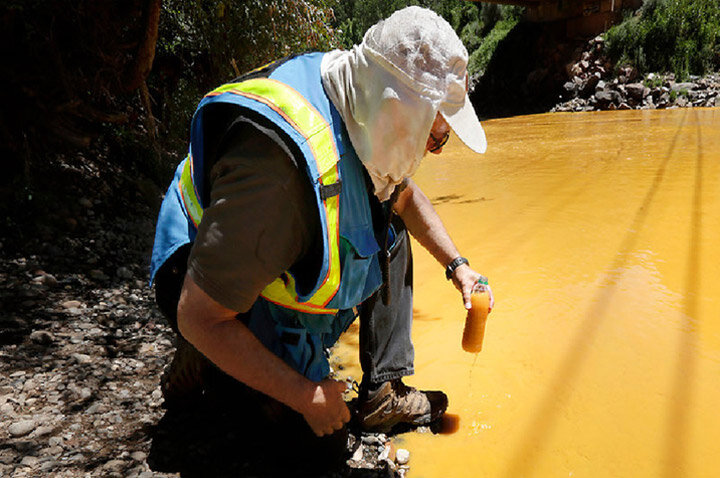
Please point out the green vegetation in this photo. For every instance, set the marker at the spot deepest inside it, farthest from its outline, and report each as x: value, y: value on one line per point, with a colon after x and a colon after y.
x: 480, y: 26
x: 678, y: 36
x: 207, y: 43
x: 481, y: 56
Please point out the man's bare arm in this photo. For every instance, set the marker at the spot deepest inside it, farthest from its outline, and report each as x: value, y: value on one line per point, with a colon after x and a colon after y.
x: 228, y: 343
x: 425, y: 225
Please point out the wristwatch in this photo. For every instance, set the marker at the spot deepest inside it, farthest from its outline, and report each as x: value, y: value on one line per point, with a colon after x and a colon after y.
x: 457, y: 262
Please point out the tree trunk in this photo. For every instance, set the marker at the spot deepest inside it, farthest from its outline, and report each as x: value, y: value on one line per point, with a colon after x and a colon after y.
x: 146, y: 51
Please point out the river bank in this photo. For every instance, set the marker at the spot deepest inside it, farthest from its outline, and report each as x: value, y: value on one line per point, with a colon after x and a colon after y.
x: 536, y: 69
x: 597, y: 85
x: 83, y: 345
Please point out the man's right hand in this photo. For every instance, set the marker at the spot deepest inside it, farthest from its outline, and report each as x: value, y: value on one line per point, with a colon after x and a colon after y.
x: 325, y: 410
x: 229, y: 344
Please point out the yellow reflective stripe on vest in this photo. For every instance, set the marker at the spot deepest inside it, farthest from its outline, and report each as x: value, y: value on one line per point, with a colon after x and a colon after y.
x: 296, y: 110
x: 188, y: 193
x: 307, y: 121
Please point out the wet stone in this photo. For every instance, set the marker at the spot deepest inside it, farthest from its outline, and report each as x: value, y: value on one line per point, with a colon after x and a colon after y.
x: 402, y: 456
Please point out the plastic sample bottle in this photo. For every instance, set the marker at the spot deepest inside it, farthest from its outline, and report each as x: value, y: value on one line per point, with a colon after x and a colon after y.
x: 474, y: 332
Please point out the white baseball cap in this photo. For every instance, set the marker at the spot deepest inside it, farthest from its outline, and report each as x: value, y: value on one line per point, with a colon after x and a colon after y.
x: 420, y: 48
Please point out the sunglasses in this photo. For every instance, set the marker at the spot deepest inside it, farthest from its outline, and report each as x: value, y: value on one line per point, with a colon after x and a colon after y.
x: 439, y: 142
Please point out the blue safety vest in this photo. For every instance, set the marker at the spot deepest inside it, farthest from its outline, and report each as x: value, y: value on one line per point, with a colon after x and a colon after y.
x: 296, y: 322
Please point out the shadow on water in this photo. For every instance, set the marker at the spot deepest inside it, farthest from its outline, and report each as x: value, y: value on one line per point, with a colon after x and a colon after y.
x: 523, y: 460
x: 456, y: 199
x: 682, y: 392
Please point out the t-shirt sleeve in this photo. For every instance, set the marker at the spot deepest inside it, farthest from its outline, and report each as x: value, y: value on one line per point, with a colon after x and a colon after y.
x: 261, y: 219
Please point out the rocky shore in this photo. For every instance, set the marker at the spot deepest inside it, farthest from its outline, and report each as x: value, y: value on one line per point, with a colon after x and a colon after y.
x: 83, y: 346
x: 595, y: 85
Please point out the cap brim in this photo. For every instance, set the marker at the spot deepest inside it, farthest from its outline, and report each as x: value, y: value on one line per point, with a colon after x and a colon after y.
x: 466, y: 125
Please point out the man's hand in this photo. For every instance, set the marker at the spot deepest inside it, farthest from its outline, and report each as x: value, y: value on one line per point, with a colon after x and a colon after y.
x: 425, y: 225
x: 326, y: 411
x: 230, y: 345
x: 464, y: 279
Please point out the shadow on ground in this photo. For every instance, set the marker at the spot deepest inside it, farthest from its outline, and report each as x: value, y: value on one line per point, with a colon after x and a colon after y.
x: 219, y: 437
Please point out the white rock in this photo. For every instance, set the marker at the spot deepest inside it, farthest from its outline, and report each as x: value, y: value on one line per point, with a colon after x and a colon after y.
x: 71, y: 304
x: 402, y: 456
x: 55, y: 441
x: 29, y: 461
x: 358, y: 455
x: 22, y: 428
x: 138, y: 456
x: 81, y: 359
x: 43, y: 430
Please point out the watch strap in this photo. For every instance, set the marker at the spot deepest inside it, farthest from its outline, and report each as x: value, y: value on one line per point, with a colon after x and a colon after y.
x: 457, y: 262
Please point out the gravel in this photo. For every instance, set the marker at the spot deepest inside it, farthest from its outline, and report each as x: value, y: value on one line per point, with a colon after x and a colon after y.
x: 83, y: 346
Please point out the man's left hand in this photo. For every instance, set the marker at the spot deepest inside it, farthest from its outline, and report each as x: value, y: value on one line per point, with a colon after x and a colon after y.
x: 465, y: 279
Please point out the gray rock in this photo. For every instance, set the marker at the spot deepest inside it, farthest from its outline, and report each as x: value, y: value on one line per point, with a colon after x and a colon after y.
x: 605, y: 98
x: 8, y: 456
x: 52, y: 451
x: 663, y: 100
x: 589, y: 87
x: 82, y: 359
x: 42, y: 337
x: 637, y: 91
x: 372, y: 440
x: 97, y: 274
x: 138, y: 456
x: 22, y: 428
x: 683, y: 87
x: 55, y: 441
x: 71, y: 304
x: 46, y: 279
x: 47, y: 466
x: 124, y: 273
x: 29, y: 461
x: 43, y: 430
x: 114, y: 465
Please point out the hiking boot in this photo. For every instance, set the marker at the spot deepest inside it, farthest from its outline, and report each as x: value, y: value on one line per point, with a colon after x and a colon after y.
x: 184, y: 379
x: 394, y: 403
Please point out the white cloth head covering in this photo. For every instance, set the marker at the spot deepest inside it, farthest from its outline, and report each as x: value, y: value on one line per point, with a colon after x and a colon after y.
x: 389, y: 89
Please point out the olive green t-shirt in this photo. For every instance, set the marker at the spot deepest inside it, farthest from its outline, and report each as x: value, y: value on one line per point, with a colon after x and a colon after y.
x: 262, y: 217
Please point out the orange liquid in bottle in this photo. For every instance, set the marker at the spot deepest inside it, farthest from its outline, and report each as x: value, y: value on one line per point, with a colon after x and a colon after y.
x: 475, y: 323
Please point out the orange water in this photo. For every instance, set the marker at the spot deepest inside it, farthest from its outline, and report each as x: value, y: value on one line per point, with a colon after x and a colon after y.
x: 600, y: 234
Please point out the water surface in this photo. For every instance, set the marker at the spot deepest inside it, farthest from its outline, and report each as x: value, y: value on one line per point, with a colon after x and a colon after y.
x: 600, y: 233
